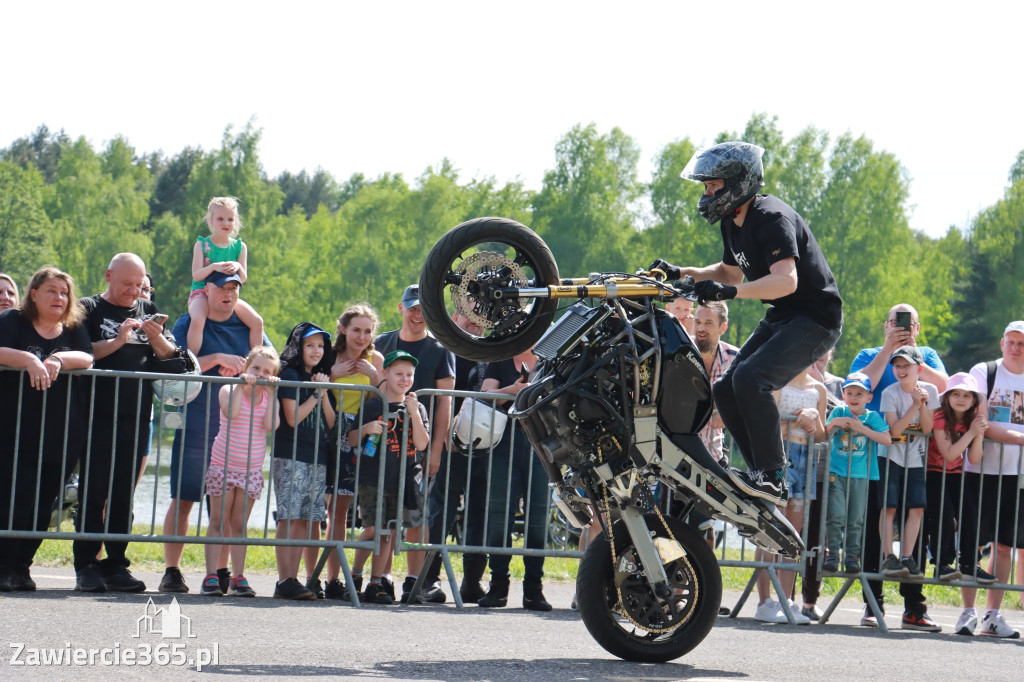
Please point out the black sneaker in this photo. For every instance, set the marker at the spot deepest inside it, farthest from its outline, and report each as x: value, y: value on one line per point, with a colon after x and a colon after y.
x: 831, y: 563
x: 173, y: 581
x: 335, y: 589
x: 768, y: 485
x: 914, y: 571
x: 471, y: 592
x: 357, y: 580
x: 290, y: 588
x: 389, y: 586
x: 5, y: 578
x: 376, y: 593
x: 315, y: 587
x: 89, y: 579
x: 868, y: 620
x: 949, y: 572
x: 122, y: 580
x: 894, y: 568
x: 433, y: 594
x: 977, y: 574
x: 224, y: 578
x: 852, y: 565
x: 407, y: 586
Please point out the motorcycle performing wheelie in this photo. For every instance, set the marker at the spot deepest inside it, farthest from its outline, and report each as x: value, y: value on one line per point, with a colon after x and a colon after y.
x: 613, y: 407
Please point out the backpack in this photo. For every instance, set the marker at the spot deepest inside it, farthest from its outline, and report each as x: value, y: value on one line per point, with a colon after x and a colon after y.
x: 991, y: 366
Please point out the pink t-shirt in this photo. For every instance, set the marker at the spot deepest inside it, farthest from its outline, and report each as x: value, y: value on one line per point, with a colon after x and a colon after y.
x: 243, y: 441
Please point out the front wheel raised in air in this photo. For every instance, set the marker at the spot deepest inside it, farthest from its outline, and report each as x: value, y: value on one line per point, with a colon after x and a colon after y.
x: 469, y: 270
x: 629, y: 620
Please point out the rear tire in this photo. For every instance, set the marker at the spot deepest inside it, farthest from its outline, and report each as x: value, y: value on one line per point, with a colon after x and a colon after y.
x: 696, y: 581
x: 514, y: 253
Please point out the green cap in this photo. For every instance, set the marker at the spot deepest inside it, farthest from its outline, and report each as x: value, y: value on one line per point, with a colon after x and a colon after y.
x: 399, y: 355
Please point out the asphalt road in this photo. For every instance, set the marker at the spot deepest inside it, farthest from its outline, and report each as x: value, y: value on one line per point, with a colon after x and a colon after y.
x: 269, y: 637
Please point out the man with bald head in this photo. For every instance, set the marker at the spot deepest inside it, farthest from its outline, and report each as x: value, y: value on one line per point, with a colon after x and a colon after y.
x: 124, y: 337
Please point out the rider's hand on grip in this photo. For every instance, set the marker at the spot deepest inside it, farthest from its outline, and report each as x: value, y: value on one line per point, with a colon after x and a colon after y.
x: 671, y: 271
x: 710, y: 290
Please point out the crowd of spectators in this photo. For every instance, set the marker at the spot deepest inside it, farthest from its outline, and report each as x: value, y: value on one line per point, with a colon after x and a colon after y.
x: 952, y: 482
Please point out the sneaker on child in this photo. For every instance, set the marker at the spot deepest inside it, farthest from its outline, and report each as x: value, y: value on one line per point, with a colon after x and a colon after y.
x: 173, y: 581
x: 994, y: 625
x: 831, y: 563
x: 977, y: 574
x: 920, y: 622
x: 914, y: 571
x: 376, y: 593
x: 238, y: 586
x: 291, y: 588
x: 211, y: 586
x: 852, y: 565
x: 868, y: 620
x: 967, y: 623
x: 948, y: 572
x: 894, y: 568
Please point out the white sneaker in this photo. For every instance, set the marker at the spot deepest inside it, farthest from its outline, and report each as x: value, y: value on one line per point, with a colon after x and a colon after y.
x: 994, y: 625
x: 770, y: 612
x: 967, y: 622
x: 798, y: 615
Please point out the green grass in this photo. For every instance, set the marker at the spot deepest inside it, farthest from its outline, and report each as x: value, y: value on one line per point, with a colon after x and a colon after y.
x: 149, y: 556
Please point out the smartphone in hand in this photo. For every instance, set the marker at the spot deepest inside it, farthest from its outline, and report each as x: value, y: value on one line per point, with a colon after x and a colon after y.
x: 159, y: 318
x: 903, y: 320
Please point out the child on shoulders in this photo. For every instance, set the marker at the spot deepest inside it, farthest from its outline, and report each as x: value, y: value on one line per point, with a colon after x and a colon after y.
x: 221, y: 251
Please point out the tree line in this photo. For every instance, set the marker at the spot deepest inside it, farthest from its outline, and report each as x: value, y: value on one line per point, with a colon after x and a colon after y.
x: 317, y: 244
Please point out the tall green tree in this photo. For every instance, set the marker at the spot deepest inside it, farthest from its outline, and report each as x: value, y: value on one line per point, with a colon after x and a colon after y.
x: 24, y: 225
x: 587, y: 207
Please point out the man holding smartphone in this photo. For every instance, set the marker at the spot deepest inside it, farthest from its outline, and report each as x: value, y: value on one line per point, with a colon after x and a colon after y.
x: 901, y: 327
x: 127, y: 334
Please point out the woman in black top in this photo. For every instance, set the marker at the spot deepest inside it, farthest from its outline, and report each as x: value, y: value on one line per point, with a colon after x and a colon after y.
x: 38, y: 339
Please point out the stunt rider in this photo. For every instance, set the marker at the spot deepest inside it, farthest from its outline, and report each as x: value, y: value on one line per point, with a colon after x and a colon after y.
x: 769, y: 244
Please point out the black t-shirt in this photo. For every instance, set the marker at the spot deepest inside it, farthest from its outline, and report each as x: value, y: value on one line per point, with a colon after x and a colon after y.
x: 306, y: 435
x: 435, y: 362
x: 102, y: 320
x: 369, y: 467
x: 469, y: 374
x: 772, y: 231
x: 506, y: 372
x: 18, y: 333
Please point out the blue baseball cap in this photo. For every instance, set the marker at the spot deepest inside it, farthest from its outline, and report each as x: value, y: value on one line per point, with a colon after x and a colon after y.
x: 313, y: 329
x: 219, y: 279
x: 858, y: 379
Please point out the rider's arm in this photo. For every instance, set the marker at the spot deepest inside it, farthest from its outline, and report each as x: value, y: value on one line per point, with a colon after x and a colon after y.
x: 780, y: 282
x: 720, y: 272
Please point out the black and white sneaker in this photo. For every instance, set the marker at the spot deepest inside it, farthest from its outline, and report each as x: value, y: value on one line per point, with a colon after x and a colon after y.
x: 768, y: 485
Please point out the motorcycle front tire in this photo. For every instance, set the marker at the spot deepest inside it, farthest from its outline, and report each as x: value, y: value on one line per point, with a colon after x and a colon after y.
x: 598, y: 599
x: 530, y: 250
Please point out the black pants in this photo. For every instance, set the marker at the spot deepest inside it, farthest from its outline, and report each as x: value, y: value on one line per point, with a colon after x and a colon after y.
x: 941, y: 516
x: 27, y: 513
x: 774, y: 354
x: 107, y: 489
x: 810, y: 586
x: 912, y: 593
x: 467, y: 478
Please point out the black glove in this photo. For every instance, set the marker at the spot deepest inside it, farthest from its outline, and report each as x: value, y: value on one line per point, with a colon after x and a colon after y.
x: 671, y: 271
x: 710, y: 290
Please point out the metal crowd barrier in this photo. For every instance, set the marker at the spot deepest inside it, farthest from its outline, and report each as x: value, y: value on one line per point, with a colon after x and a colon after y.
x: 483, y: 499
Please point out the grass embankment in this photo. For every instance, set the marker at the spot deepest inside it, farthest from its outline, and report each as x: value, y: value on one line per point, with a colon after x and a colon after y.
x: 148, y: 556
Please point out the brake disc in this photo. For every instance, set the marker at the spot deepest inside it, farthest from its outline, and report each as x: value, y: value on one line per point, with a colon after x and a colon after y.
x: 485, y: 267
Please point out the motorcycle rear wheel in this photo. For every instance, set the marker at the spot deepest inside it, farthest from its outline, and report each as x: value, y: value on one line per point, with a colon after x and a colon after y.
x: 695, y: 579
x: 473, y: 258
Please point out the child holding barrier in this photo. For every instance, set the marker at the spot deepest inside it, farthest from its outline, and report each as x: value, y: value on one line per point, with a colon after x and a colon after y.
x: 247, y: 414
x: 379, y: 441
x: 907, y: 404
x: 959, y: 434
x: 856, y: 434
x: 222, y: 251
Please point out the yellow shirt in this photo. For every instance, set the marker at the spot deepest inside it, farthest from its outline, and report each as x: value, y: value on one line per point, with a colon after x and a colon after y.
x: 351, y: 400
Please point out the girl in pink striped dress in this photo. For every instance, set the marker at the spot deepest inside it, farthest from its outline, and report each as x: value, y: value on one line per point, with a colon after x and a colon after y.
x: 247, y: 413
